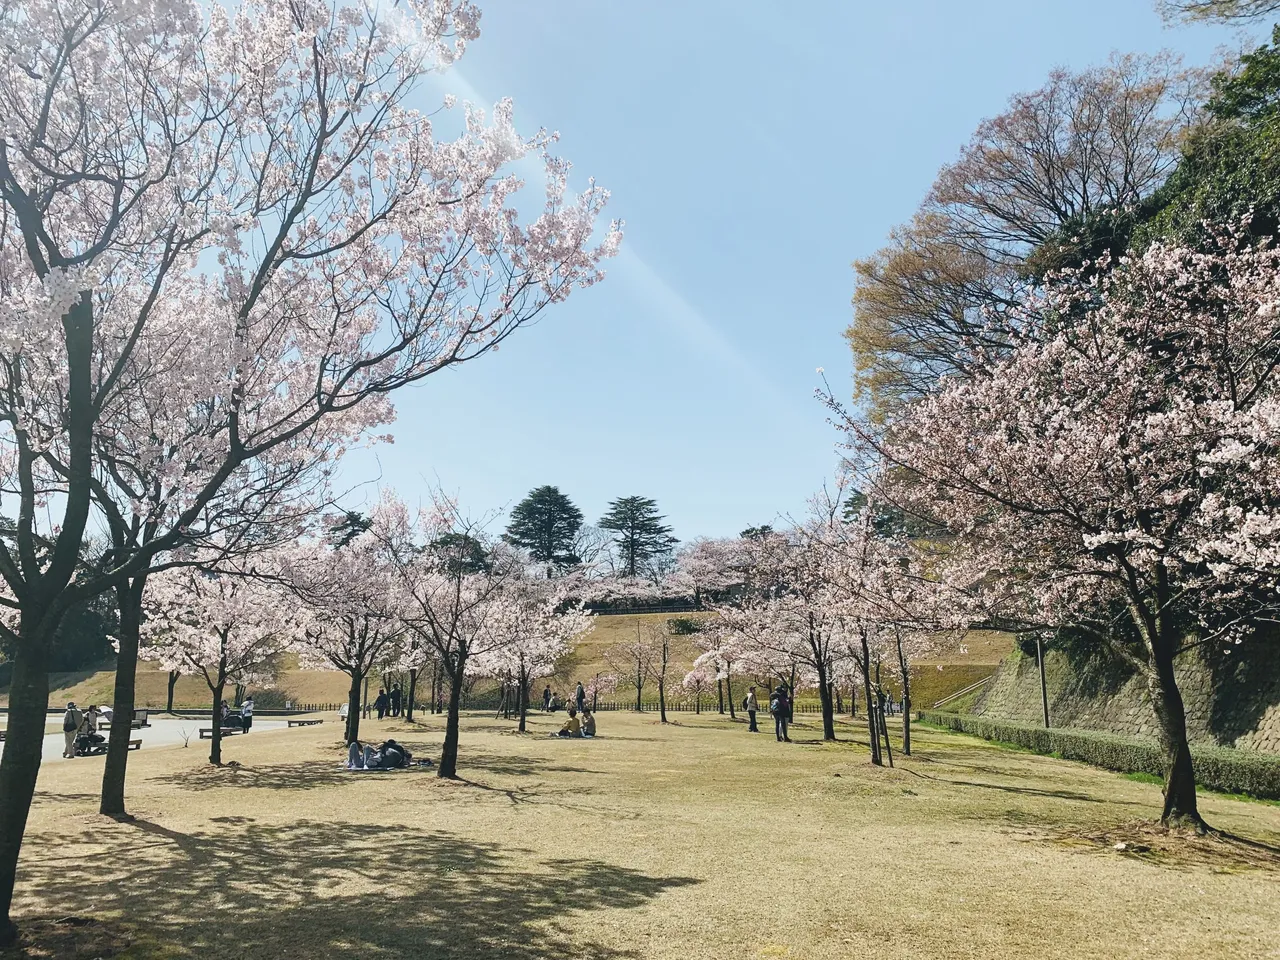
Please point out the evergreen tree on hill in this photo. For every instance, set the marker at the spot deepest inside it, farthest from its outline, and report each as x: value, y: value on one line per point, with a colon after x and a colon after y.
x: 639, y: 532
x: 545, y: 523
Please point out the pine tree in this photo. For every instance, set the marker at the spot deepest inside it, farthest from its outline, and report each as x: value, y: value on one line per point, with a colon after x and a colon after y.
x: 640, y: 533
x: 545, y: 523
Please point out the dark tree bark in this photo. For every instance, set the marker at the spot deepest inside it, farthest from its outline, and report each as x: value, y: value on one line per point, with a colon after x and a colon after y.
x: 720, y: 693
x: 215, y: 748
x: 905, y: 669
x: 129, y: 599
x: 525, y: 682
x: 353, y: 708
x: 20, y: 763
x: 828, y: 707
x: 872, y: 732
x: 1180, y: 805
x: 728, y: 684
x: 449, y: 751
x: 173, y: 682
x: 413, y: 692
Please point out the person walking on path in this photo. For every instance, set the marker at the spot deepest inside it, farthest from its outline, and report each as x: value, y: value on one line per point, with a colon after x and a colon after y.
x: 246, y: 714
x: 71, y: 721
x: 381, y: 703
x: 780, y: 707
x: 546, y: 699
x: 396, y: 698
x: 752, y: 706
x: 580, y: 695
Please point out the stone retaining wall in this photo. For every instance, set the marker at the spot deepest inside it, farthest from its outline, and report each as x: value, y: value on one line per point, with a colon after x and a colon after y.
x: 1232, y: 699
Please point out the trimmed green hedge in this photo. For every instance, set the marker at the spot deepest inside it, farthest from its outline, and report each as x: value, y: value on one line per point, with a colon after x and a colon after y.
x: 1225, y: 769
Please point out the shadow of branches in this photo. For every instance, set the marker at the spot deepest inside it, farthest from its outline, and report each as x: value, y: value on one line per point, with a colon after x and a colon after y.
x: 311, y: 889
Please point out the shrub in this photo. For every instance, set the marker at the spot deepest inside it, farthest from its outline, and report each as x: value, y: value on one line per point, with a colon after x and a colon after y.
x: 1218, y: 768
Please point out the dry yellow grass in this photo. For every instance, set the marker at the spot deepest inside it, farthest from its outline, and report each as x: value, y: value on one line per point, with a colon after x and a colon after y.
x: 676, y: 842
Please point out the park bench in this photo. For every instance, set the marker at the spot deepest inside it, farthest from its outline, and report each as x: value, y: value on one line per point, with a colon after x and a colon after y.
x: 133, y: 724
x: 206, y: 733
x: 140, y: 718
x: 135, y: 744
x: 304, y: 723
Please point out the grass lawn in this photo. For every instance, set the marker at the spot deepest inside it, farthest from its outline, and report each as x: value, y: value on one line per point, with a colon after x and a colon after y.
x: 693, y: 841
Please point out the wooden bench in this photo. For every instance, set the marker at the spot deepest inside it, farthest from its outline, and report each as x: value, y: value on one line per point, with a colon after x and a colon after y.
x: 304, y: 723
x: 140, y: 718
x: 134, y: 725
x: 135, y: 744
x: 206, y: 733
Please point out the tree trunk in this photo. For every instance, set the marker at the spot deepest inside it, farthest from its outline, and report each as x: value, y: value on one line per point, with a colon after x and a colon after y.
x: 905, y: 669
x: 853, y: 699
x: 828, y: 707
x: 662, y: 700
x: 720, y: 693
x: 173, y: 682
x: 413, y: 692
x: 888, y: 747
x: 728, y: 686
x: 129, y: 599
x: 20, y: 763
x: 525, y: 681
x: 835, y: 689
x: 870, y: 702
x: 1179, y: 777
x: 353, y: 709
x: 449, y: 751
x: 215, y: 749
x: 639, y: 688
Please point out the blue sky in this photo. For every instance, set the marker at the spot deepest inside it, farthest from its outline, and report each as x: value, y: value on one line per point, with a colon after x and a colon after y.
x: 754, y: 149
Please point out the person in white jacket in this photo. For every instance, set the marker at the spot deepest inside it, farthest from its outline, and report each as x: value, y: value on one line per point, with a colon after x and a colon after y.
x: 246, y: 714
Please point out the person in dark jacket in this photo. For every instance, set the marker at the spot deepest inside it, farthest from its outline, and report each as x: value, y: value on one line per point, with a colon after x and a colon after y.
x: 546, y: 699
x: 580, y: 695
x: 396, y: 698
x: 780, y: 707
x: 381, y: 703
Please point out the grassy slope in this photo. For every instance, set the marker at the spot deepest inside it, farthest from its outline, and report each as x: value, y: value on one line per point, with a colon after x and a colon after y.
x: 661, y: 843
x: 983, y: 651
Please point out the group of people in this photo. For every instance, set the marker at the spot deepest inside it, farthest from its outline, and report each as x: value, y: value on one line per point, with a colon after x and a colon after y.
x: 388, y: 755
x: 80, y: 728
x: 779, y: 709
x: 575, y: 727
x: 551, y: 702
x: 242, y: 719
x: 389, y: 704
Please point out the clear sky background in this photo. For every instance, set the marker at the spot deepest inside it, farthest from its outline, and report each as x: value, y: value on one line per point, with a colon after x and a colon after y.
x: 755, y: 148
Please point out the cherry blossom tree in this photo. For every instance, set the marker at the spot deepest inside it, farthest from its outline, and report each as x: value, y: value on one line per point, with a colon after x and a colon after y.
x: 601, y: 683
x: 1118, y: 477
x: 352, y: 603
x: 226, y: 627
x: 236, y: 210
x: 451, y: 575
x: 634, y: 658
x: 530, y: 630
x: 706, y: 566
x: 698, y: 680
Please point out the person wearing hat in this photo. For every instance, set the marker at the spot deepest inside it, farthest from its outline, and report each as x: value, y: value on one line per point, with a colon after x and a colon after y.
x: 70, y: 727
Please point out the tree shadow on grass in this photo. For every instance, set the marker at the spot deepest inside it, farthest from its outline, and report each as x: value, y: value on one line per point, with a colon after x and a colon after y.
x: 511, y: 766
x: 272, y: 776
x: 1019, y: 789
x: 310, y: 890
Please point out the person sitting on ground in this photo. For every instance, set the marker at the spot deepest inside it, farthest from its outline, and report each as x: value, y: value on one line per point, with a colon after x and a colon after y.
x: 572, y: 727
x: 588, y: 723
x: 394, y: 755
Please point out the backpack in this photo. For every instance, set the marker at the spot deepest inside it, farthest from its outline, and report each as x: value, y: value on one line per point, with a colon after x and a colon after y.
x: 69, y: 722
x: 774, y: 705
x: 745, y: 701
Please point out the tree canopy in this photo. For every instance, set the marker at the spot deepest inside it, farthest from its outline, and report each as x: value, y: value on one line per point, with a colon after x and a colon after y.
x: 546, y: 523
x: 639, y: 533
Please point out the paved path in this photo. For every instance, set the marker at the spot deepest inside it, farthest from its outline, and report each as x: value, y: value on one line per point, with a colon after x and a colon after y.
x: 161, y: 733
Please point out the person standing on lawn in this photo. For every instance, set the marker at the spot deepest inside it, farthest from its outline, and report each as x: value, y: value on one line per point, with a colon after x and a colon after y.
x: 246, y: 714
x: 381, y: 703
x: 752, y: 706
x: 780, y: 707
x: 71, y: 721
x: 546, y: 699
x: 396, y: 699
x: 580, y: 695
